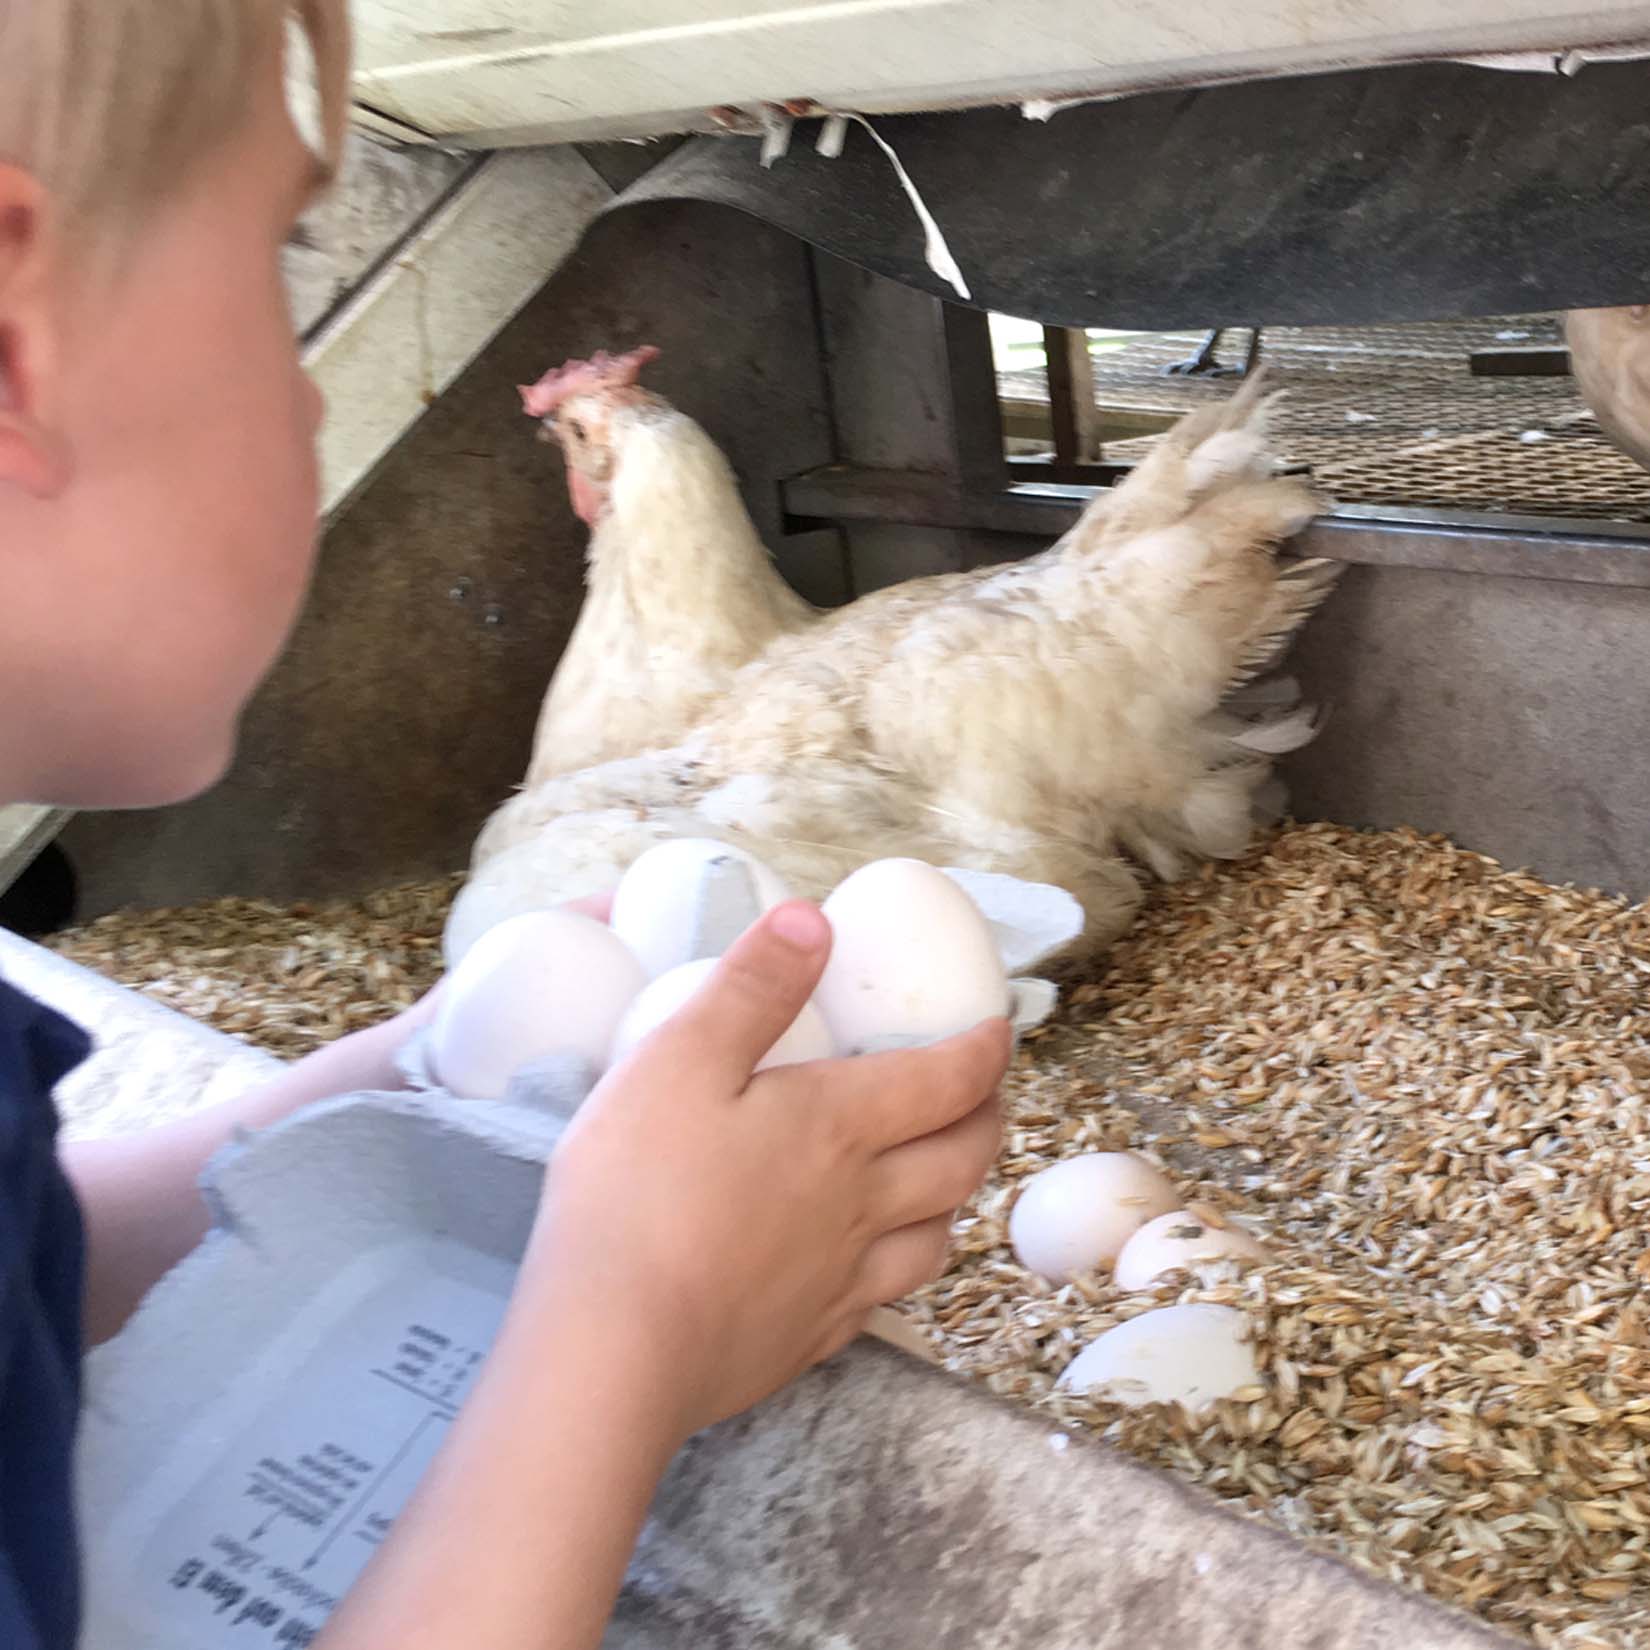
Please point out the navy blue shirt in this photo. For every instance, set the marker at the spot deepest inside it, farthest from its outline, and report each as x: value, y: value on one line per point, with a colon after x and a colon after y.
x: 41, y: 1271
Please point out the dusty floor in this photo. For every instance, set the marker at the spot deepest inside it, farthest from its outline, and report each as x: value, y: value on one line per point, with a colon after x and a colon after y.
x: 1392, y: 416
x: 1418, y: 1077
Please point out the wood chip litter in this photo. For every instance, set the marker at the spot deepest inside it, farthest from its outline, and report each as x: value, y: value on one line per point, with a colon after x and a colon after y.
x: 1417, y: 1077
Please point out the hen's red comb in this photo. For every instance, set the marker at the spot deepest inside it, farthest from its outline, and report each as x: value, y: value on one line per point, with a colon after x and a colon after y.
x: 601, y: 372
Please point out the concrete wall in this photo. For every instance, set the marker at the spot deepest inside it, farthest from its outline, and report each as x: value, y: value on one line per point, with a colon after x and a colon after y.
x: 1508, y: 713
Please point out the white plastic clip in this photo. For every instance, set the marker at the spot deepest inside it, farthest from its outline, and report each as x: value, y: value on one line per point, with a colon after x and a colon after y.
x: 776, y: 136
x: 833, y: 135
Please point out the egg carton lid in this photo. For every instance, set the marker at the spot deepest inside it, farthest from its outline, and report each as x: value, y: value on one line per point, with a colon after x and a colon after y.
x: 1030, y: 921
x: 250, y: 1434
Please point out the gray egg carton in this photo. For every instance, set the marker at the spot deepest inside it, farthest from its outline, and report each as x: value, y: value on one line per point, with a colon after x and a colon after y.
x: 252, y: 1433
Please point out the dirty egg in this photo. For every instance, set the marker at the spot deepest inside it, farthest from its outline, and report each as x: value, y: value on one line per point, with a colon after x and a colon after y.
x: 1191, y: 1355
x: 690, y: 898
x: 807, y: 1038
x: 537, y: 984
x: 1176, y: 1241
x: 912, y: 959
x: 1077, y: 1215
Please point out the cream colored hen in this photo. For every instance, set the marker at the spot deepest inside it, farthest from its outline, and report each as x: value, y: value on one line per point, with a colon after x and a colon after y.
x: 1044, y: 718
x: 679, y: 589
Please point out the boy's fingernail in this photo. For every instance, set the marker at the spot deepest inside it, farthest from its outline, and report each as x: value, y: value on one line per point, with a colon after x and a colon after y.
x: 801, y: 925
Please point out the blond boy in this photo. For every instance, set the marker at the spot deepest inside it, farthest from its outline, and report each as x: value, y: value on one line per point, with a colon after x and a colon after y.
x: 157, y: 504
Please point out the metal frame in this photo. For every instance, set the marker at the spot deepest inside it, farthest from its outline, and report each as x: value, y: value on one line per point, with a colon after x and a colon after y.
x: 983, y: 492
x: 1458, y: 541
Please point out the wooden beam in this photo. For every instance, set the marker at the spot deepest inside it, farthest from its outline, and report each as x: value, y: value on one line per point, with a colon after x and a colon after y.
x: 1026, y: 419
x: 915, y: 498
x: 1094, y: 473
x: 1072, y: 411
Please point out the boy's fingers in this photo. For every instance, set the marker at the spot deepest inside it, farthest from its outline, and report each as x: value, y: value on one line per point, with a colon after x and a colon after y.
x: 901, y: 1261
x: 903, y: 1096
x: 749, y: 1002
x: 932, y: 1176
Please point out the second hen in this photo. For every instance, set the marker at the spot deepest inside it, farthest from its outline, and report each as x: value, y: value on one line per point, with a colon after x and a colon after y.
x: 1046, y: 718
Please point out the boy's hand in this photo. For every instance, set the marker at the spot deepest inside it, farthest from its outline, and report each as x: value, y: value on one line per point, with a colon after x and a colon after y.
x: 744, y: 1226
x: 704, y: 1236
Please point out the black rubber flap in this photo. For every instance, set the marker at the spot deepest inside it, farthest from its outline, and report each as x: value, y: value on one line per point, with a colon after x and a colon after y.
x: 1405, y: 193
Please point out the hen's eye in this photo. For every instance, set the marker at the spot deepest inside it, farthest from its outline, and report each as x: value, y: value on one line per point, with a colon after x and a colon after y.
x: 575, y: 429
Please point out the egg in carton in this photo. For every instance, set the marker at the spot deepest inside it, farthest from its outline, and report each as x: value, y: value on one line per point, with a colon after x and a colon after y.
x: 546, y: 1001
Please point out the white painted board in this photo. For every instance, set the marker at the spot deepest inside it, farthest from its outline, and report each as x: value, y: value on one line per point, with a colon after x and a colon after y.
x: 493, y: 72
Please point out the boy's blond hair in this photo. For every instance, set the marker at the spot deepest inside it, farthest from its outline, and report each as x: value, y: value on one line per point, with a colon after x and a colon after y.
x: 110, y: 103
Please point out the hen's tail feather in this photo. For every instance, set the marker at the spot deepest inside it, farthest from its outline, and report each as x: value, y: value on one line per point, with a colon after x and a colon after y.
x: 1260, y: 718
x: 1251, y: 404
x: 1297, y: 591
x: 1206, y: 455
x: 1278, y: 735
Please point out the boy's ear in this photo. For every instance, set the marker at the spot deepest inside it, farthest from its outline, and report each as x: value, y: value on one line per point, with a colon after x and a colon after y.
x: 33, y: 455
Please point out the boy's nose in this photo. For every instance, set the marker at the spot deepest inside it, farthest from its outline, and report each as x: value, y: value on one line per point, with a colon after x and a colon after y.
x: 317, y: 404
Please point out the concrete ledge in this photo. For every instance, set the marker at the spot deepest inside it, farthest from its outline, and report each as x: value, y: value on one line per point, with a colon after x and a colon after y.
x: 879, y: 1505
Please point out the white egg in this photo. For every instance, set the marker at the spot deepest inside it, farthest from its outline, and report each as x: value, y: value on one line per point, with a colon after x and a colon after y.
x: 1077, y: 1215
x: 807, y: 1038
x: 1189, y: 1355
x: 691, y: 898
x: 912, y: 959
x: 541, y: 983
x: 1176, y: 1241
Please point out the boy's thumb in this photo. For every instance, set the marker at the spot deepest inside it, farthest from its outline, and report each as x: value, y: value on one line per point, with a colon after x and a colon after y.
x: 757, y: 990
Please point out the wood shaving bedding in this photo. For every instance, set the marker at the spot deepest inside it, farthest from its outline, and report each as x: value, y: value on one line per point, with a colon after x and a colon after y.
x: 1419, y: 1078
